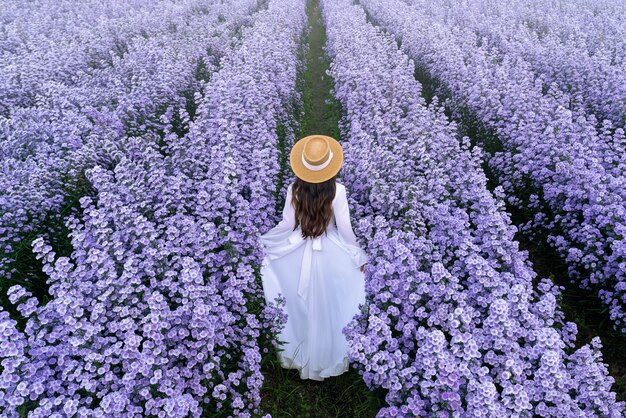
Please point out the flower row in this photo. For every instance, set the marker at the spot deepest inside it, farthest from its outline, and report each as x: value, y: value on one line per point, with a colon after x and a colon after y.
x: 595, y: 82
x: 451, y: 325
x: 61, y: 41
x: 158, y: 310
x: 76, y: 125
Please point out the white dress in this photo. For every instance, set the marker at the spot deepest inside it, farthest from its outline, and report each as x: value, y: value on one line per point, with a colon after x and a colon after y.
x: 323, y: 286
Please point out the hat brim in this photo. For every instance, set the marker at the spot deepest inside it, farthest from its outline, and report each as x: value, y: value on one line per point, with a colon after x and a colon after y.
x: 311, y: 176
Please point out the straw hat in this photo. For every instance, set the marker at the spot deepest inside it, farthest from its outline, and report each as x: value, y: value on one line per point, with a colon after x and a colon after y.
x: 316, y: 158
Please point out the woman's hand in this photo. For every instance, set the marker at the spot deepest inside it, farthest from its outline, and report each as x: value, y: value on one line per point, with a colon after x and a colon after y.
x: 363, y: 267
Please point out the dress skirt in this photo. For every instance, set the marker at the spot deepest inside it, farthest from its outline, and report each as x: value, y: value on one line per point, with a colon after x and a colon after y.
x: 323, y: 287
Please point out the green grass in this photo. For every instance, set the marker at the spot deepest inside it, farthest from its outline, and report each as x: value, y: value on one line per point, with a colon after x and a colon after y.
x: 321, y: 110
x: 285, y: 394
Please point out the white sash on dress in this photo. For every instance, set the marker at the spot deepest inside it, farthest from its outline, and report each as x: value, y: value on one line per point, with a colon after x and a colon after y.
x: 305, y: 271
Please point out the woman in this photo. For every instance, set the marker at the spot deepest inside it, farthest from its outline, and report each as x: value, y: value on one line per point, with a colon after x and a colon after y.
x: 313, y: 259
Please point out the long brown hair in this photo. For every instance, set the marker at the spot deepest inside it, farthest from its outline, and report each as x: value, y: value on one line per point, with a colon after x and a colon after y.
x: 313, y: 205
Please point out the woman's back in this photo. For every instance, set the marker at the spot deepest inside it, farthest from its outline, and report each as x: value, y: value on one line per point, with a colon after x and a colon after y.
x: 340, y: 219
x: 313, y: 260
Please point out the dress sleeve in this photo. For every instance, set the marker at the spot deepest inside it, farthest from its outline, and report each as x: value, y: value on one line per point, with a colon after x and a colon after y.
x: 274, y: 241
x: 289, y: 220
x: 342, y: 217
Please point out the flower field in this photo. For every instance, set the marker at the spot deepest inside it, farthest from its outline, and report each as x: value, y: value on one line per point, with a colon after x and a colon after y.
x: 551, y: 159
x: 144, y: 150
